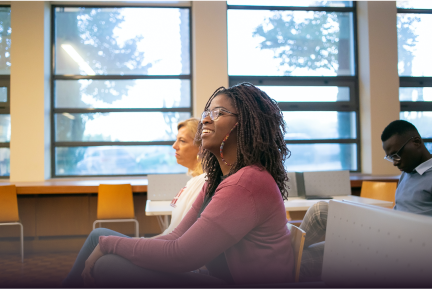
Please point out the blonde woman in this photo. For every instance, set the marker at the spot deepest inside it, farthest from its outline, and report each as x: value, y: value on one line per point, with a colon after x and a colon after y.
x: 186, y: 151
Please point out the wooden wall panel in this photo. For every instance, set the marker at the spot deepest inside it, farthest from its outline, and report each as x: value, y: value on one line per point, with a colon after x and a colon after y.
x: 147, y: 224
x: 62, y: 215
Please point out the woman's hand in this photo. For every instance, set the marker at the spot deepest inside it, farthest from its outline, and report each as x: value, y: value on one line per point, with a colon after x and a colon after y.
x: 87, y: 273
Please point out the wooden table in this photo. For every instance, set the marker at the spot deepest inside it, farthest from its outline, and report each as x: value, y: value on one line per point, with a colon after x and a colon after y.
x: 301, y: 204
x: 70, y: 186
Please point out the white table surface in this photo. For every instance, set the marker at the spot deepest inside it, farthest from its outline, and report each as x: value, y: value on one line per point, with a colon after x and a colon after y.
x: 161, y: 208
x: 300, y: 204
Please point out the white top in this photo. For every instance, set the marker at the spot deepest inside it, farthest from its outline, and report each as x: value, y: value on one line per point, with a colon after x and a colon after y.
x: 185, y: 198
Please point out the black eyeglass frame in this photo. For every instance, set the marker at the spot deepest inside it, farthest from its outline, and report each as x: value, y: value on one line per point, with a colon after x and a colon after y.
x: 213, y: 111
x: 396, y: 157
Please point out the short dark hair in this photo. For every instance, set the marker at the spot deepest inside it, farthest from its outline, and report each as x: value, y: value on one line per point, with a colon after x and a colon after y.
x: 400, y: 127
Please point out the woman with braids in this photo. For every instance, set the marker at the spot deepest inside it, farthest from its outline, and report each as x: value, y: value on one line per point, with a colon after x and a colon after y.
x: 237, y: 225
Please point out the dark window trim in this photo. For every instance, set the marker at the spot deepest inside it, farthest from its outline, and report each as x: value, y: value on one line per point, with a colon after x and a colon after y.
x: 114, y: 143
x: 5, y: 106
x: 5, y: 82
x: 415, y: 81
x: 415, y: 106
x: 106, y: 110
x: 116, y: 5
x: 414, y: 11
x: 120, y: 77
x: 293, y: 8
x: 341, y: 81
x: 323, y: 141
x: 54, y: 77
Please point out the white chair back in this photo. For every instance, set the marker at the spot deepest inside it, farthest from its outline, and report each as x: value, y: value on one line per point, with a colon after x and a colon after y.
x: 165, y: 187
x: 370, y: 246
x: 329, y: 183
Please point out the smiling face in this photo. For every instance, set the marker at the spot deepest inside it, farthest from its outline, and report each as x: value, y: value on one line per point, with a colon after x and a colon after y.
x: 186, y: 151
x: 213, y: 132
x: 410, y: 154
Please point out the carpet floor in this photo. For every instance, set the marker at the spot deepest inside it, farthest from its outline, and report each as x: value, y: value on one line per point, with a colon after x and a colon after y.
x: 38, y: 270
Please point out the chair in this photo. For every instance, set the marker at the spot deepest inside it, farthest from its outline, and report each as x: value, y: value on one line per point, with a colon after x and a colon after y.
x: 9, y: 211
x: 115, y: 204
x: 297, y: 242
x: 164, y: 187
x: 384, y: 191
x: 373, y: 247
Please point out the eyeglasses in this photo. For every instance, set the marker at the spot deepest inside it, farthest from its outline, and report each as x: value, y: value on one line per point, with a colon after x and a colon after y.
x: 215, y: 113
x: 396, y: 157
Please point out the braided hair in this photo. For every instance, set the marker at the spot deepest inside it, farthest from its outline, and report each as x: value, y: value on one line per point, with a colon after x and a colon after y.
x: 260, y: 136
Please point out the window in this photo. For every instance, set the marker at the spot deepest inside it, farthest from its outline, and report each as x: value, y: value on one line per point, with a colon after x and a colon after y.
x: 5, y: 121
x: 414, y: 20
x: 303, y: 55
x: 121, y: 83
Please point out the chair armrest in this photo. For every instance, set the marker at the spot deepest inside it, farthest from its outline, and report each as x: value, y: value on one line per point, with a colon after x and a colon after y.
x: 296, y: 222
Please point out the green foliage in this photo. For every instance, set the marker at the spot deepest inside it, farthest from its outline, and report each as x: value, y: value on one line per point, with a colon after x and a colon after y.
x: 91, y: 31
x: 407, y: 40
x: 5, y: 40
x: 310, y: 42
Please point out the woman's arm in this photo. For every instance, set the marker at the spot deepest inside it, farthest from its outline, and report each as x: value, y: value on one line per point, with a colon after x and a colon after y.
x: 227, y: 219
x: 188, y: 220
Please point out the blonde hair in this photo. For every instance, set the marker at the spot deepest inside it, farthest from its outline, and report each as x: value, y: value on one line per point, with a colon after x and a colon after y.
x: 192, y: 126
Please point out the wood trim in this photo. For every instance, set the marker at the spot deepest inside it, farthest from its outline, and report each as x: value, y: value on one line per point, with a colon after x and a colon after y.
x: 53, y: 187
x: 50, y: 190
x: 357, y: 179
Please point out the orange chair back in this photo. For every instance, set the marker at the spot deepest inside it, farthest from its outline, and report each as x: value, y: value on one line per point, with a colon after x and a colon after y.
x: 8, y: 204
x: 115, y: 202
x: 384, y: 191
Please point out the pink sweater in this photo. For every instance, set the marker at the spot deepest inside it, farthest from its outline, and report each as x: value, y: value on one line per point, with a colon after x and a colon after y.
x: 246, y: 220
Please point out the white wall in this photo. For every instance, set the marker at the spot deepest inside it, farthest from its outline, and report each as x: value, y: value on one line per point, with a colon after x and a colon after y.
x: 378, y: 79
x: 209, y: 38
x: 30, y: 91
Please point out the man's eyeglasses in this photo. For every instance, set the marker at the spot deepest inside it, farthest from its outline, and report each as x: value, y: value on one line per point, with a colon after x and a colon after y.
x: 215, y: 113
x: 396, y: 157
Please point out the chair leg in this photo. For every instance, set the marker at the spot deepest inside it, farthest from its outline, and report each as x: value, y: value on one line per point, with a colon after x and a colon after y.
x: 136, y: 229
x: 22, y: 243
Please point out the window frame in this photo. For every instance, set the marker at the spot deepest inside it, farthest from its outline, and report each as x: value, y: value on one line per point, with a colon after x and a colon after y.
x: 57, y: 144
x: 347, y: 81
x: 5, y: 106
x: 415, y: 81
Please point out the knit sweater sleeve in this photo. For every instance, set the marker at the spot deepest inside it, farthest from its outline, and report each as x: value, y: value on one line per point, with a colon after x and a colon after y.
x: 226, y: 220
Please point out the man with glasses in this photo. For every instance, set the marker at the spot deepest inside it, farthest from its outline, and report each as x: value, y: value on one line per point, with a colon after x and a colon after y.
x: 405, y: 149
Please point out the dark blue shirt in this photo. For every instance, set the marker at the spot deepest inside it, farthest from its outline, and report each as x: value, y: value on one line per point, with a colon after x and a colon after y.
x: 414, y: 192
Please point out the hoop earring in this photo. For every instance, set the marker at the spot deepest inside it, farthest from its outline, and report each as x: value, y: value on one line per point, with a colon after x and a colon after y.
x: 223, y: 143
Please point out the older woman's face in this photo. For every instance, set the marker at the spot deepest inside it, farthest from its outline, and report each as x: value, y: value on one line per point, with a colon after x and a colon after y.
x: 186, y: 152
